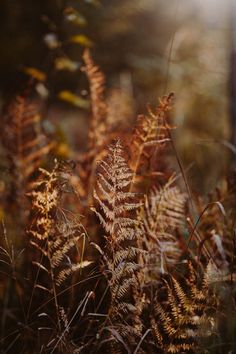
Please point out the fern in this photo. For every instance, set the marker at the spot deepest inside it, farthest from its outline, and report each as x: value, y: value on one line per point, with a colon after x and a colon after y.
x: 25, y: 143
x: 115, y: 203
x: 150, y: 135
x: 142, y: 299
x: 53, y: 235
x: 97, y: 133
x: 178, y: 321
x: 96, y: 78
x: 161, y: 215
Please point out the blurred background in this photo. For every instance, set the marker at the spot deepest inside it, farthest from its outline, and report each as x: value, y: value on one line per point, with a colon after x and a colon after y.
x: 146, y: 48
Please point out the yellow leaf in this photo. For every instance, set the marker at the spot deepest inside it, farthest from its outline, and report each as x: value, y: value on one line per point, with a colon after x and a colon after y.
x: 66, y: 64
x: 63, y: 150
x: 35, y: 73
x: 70, y: 97
x: 82, y: 40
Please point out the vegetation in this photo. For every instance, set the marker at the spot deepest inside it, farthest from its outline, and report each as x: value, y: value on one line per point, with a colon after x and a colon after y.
x: 105, y: 252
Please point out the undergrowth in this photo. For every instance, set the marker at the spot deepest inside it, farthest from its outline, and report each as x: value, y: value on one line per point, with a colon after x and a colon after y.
x: 108, y: 252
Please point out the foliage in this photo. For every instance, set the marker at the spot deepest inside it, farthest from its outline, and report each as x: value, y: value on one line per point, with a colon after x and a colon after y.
x: 112, y: 256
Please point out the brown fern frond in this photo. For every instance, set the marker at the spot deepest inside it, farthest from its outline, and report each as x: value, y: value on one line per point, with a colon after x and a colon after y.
x: 98, y: 130
x: 150, y: 135
x: 115, y: 204
x: 53, y: 234
x: 25, y: 143
x: 178, y: 320
x: 96, y: 79
x: 161, y: 215
x: 57, y: 240
x: 113, y: 179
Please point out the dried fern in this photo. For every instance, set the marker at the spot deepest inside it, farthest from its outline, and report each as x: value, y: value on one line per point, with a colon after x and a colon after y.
x: 162, y: 213
x: 53, y: 235
x: 185, y: 317
x: 143, y: 299
x: 108, y: 116
x: 24, y: 141
x: 115, y: 203
x: 150, y: 134
x: 96, y: 79
x: 97, y: 133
